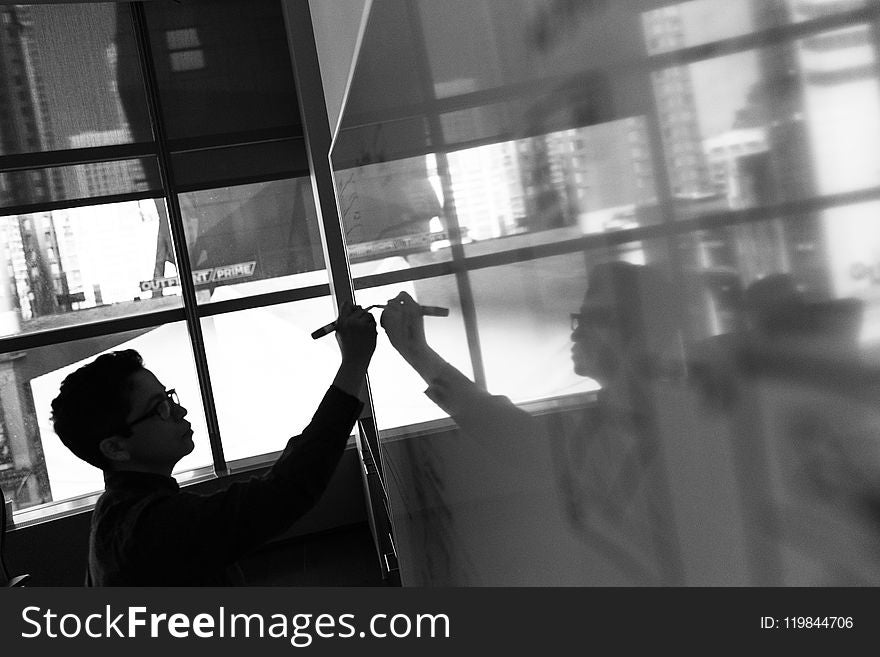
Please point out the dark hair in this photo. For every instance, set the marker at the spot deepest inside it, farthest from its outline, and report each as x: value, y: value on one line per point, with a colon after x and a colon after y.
x: 645, y: 302
x: 93, y: 403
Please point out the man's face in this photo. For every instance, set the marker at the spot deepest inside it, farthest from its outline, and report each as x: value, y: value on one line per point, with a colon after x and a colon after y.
x: 155, y: 441
x: 596, y: 342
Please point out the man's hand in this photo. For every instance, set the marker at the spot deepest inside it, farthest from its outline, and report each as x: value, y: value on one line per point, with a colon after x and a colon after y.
x: 403, y: 323
x: 356, y: 334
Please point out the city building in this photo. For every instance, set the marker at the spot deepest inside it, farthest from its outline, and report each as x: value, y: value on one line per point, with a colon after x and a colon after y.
x: 25, y: 127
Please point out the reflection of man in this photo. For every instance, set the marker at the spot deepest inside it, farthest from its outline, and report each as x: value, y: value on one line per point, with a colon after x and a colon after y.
x: 624, y: 329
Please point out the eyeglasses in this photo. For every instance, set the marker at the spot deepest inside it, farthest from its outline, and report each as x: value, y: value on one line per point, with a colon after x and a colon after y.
x: 162, y: 409
x: 594, y: 318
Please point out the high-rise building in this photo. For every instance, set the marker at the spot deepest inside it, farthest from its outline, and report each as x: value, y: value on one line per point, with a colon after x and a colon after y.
x: 676, y: 108
x: 25, y: 127
x: 105, y: 178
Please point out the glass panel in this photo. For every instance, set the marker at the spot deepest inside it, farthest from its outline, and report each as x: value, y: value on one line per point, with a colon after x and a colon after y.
x: 549, y: 188
x: 465, y: 82
x: 785, y: 316
x: 77, y: 182
x: 222, y: 67
x: 559, y: 473
x: 267, y: 373
x: 80, y: 265
x: 70, y: 78
x: 555, y: 187
x: 391, y: 213
x: 708, y: 414
x: 35, y: 467
x: 252, y: 239
x: 471, y: 46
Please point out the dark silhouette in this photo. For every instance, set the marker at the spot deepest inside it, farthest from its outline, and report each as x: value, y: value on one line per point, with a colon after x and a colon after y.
x: 145, y: 531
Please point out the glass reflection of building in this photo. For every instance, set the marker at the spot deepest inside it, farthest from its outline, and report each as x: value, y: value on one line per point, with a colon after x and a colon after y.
x: 25, y: 126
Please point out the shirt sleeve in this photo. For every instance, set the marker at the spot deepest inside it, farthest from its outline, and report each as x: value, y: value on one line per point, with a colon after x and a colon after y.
x: 490, y: 419
x: 188, y: 530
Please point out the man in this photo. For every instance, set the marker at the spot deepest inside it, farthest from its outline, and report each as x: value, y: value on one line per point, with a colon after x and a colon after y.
x: 604, y: 470
x: 116, y: 415
x: 626, y: 327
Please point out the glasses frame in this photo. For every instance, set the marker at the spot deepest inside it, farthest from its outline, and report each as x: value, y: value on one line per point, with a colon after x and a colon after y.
x: 157, y: 410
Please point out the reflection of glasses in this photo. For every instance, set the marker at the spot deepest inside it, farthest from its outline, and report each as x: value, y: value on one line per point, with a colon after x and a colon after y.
x: 594, y: 318
x: 162, y: 409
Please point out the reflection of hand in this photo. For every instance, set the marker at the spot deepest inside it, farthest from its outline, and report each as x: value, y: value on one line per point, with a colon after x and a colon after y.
x: 404, y: 325
x: 356, y: 334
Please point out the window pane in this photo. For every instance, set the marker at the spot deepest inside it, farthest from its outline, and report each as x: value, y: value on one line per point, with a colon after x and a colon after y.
x: 772, y: 125
x: 267, y: 373
x: 755, y: 460
x: 71, y: 78
x: 252, y: 239
x: 81, y: 181
x: 391, y: 213
x: 35, y: 467
x: 557, y: 186
x: 222, y: 67
x: 549, y: 188
x: 88, y: 264
x: 471, y: 74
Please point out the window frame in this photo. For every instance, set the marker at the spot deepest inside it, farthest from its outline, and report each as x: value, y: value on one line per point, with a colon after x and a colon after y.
x: 160, y: 149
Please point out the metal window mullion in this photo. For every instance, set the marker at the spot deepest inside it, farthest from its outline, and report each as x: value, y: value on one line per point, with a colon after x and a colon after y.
x: 286, y: 174
x: 664, y: 194
x: 767, y: 37
x: 178, y: 235
x: 318, y: 140
x: 233, y: 139
x: 91, y: 201
x: 88, y: 330
x: 672, y: 565
x: 792, y: 211
x: 76, y: 156
x: 459, y: 262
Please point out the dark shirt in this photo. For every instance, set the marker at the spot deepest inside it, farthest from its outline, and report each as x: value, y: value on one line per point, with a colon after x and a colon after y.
x: 147, y: 532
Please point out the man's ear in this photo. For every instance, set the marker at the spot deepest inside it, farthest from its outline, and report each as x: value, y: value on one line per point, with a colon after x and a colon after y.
x: 114, y: 449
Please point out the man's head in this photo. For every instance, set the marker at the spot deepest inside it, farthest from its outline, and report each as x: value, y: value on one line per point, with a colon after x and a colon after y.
x: 628, y: 313
x: 116, y: 415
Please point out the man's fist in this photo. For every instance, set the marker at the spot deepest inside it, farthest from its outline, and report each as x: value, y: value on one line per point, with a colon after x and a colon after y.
x: 355, y: 333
